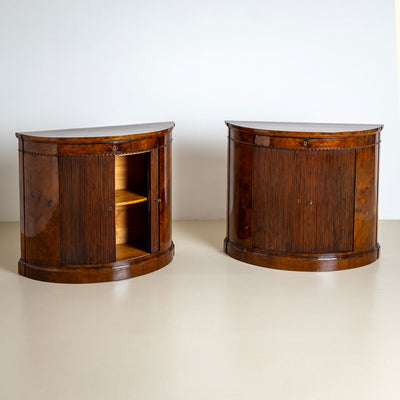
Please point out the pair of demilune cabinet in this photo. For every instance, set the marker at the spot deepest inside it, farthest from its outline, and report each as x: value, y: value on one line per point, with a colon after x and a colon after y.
x: 95, y: 203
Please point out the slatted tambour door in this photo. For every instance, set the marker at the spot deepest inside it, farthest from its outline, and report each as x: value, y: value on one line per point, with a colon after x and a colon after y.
x: 87, y: 210
x: 307, y: 200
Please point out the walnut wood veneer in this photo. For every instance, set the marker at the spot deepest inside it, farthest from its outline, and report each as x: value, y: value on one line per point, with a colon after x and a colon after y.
x: 95, y: 203
x: 302, y: 196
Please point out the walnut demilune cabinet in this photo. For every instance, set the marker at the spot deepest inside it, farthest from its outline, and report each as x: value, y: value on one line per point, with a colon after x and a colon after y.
x: 95, y: 203
x: 303, y: 196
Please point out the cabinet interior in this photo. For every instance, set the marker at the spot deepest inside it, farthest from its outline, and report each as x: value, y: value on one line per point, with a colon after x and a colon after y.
x: 131, y: 205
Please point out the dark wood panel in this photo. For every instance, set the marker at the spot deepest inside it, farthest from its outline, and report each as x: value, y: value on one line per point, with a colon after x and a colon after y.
x: 240, y: 194
x: 40, y: 148
x: 41, y: 220
x: 87, y: 210
x: 366, y: 199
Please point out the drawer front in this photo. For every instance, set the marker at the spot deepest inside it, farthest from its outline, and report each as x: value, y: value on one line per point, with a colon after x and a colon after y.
x: 114, y: 147
x: 305, y: 142
x: 107, y: 148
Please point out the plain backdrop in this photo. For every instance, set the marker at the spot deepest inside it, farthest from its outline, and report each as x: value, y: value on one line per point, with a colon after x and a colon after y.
x: 80, y: 63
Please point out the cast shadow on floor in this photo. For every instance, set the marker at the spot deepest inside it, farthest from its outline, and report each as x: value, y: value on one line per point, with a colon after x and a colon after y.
x: 10, y: 246
x: 210, y: 233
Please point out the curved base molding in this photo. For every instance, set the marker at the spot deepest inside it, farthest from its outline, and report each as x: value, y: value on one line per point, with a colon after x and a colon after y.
x: 308, y: 262
x: 118, y: 270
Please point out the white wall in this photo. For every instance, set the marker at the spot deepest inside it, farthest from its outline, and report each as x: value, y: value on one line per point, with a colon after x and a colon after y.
x: 77, y: 63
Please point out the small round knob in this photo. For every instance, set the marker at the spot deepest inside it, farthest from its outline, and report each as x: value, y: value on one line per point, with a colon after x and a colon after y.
x: 305, y: 143
x: 310, y: 202
x: 114, y: 148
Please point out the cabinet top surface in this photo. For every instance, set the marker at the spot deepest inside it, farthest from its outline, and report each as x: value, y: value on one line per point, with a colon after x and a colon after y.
x: 119, y: 131
x: 271, y: 128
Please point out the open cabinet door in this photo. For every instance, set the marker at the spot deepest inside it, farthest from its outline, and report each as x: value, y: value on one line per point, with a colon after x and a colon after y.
x: 154, y: 202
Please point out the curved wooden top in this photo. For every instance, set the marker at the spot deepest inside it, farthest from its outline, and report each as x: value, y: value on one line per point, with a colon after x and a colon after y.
x: 303, y: 129
x: 99, y: 134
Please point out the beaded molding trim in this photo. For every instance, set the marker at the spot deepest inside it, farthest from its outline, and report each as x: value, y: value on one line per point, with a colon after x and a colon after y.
x: 305, y: 148
x: 94, y: 155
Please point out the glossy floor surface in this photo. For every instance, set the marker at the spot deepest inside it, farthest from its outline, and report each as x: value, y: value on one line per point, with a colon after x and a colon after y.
x: 205, y: 327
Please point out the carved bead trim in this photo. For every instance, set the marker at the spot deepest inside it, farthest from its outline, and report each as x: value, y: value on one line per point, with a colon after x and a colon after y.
x: 94, y: 155
x: 305, y: 148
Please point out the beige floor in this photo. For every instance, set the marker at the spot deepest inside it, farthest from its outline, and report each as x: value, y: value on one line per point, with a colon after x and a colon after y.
x: 205, y: 327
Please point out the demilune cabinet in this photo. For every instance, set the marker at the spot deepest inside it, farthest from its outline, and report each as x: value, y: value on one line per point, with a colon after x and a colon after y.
x: 303, y: 196
x: 95, y: 203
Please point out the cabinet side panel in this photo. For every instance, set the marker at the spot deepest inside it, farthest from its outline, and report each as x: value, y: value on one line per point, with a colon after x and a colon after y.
x: 41, y: 199
x: 21, y: 197
x: 87, y: 210
x: 165, y: 165
x: 278, y: 202
x: 240, y: 193
x: 366, y: 198
x: 331, y: 186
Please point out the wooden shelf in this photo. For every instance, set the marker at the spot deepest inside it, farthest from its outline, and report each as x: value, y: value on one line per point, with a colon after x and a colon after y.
x: 125, y: 197
x: 130, y: 250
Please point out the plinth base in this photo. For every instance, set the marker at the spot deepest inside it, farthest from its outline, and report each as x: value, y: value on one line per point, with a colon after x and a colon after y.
x: 118, y: 270
x: 302, y: 262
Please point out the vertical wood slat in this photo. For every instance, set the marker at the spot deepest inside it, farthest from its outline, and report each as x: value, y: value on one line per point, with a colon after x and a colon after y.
x: 153, y: 204
x: 240, y: 194
x: 87, y: 210
x: 366, y: 199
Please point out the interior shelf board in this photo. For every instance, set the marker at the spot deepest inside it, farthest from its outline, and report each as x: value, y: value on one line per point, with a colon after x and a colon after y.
x: 125, y: 197
x: 130, y: 250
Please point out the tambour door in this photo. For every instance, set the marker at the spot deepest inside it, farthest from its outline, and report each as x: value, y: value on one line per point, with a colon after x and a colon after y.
x: 303, y: 201
x: 87, y: 209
